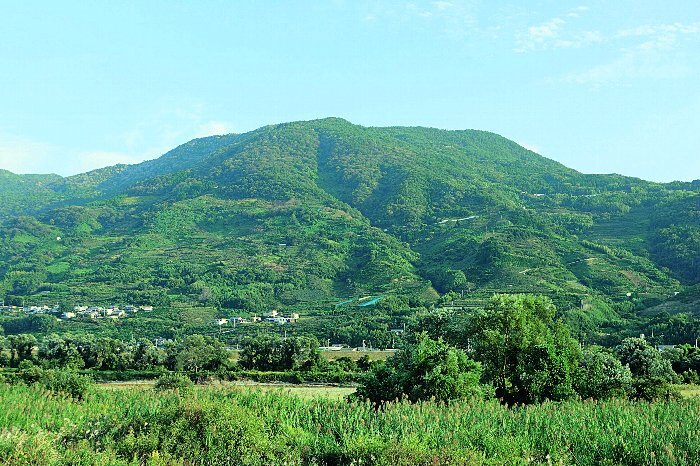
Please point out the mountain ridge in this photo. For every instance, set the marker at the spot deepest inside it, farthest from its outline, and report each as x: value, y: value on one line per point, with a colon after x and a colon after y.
x: 304, y: 213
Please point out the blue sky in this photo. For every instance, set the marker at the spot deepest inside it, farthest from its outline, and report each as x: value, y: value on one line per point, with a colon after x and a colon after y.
x: 600, y: 86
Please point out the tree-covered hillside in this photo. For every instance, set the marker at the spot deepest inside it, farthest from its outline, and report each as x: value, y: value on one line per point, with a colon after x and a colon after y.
x: 311, y: 213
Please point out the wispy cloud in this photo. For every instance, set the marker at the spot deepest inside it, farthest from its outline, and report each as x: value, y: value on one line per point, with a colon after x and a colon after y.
x: 443, y: 5
x: 554, y: 34
x: 214, y: 128
x: 20, y: 155
x: 645, y: 52
x: 630, y: 66
x: 90, y: 160
x: 660, y: 36
x: 453, y: 17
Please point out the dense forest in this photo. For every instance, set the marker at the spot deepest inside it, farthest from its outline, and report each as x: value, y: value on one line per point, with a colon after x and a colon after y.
x: 307, y: 215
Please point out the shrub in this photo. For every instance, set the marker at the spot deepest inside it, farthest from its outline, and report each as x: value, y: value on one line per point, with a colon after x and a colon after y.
x: 601, y: 375
x: 652, y: 373
x: 211, y: 432
x: 67, y: 382
x: 173, y: 382
x: 428, y: 369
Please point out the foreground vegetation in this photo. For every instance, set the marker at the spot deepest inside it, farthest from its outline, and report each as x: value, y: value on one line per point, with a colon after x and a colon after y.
x: 222, y: 426
x: 509, y: 387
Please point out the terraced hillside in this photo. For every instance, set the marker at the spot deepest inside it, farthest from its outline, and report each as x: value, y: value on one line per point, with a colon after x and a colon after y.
x: 311, y: 213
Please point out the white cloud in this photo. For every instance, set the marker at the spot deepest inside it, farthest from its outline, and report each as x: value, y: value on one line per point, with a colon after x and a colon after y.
x: 214, y: 128
x: 552, y: 34
x: 443, y: 5
x: 646, y: 52
x: 456, y: 18
x: 630, y: 66
x: 660, y: 36
x: 160, y: 131
x: 20, y: 155
x: 650, y: 30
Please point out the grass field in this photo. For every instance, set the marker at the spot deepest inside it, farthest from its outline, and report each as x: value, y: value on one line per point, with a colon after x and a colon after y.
x: 690, y: 391
x: 355, y: 355
x: 303, y: 391
x: 240, y: 425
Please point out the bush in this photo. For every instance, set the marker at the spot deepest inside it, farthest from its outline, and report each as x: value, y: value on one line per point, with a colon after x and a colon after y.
x: 29, y: 373
x: 212, y: 432
x: 601, y: 376
x: 652, y: 373
x: 177, y: 382
x: 428, y: 369
x: 67, y: 382
x: 652, y: 388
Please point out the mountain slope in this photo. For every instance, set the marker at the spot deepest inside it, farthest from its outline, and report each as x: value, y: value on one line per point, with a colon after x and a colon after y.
x: 307, y: 213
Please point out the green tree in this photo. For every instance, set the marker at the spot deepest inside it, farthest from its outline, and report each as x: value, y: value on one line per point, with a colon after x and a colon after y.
x: 104, y: 353
x: 685, y: 360
x: 196, y: 353
x: 61, y: 352
x: 601, y: 375
x: 426, y: 369
x: 21, y: 347
x: 527, y: 357
x: 4, y: 359
x: 652, y: 373
x: 146, y: 355
x: 273, y: 353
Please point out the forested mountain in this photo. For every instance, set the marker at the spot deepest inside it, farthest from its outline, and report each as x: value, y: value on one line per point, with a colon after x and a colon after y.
x: 310, y: 213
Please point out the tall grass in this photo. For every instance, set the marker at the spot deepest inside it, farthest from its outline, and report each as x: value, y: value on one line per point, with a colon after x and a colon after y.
x: 218, y: 425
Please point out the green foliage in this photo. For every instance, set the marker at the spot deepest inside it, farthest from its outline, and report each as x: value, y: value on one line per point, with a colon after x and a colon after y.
x: 526, y: 355
x: 652, y: 373
x: 147, y: 355
x: 60, y: 351
x: 685, y: 360
x: 601, y: 376
x: 273, y: 353
x: 21, y: 347
x: 196, y: 353
x: 227, y: 426
x: 177, y: 382
x: 425, y: 370
x: 59, y: 381
x: 67, y: 382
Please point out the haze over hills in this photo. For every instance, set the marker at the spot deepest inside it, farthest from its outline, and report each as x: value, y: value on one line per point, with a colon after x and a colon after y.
x: 308, y: 213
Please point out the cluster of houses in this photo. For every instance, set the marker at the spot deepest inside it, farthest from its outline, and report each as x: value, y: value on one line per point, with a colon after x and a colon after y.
x: 111, y: 312
x: 30, y: 310
x: 272, y: 317
x: 91, y: 312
